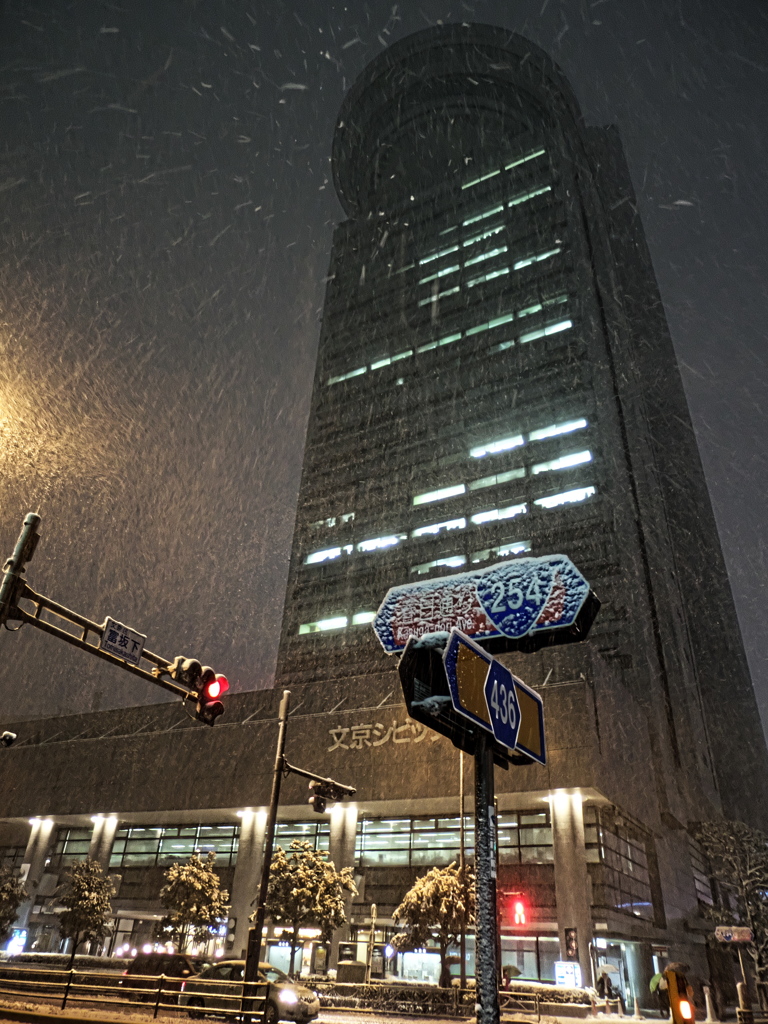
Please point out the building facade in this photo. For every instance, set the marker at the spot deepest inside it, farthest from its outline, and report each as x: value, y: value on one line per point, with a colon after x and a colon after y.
x: 495, y: 377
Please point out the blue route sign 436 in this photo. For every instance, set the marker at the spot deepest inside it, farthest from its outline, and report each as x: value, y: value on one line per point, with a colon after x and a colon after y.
x: 503, y: 707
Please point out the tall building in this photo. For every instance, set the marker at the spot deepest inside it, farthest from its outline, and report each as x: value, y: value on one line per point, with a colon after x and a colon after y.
x: 495, y: 377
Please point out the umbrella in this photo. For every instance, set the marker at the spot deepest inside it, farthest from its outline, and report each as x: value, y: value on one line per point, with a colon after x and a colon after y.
x: 655, y: 981
x: 607, y: 969
x: 678, y: 968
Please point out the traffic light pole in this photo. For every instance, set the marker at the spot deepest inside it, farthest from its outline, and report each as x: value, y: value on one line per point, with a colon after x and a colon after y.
x: 485, y: 885
x: 256, y: 933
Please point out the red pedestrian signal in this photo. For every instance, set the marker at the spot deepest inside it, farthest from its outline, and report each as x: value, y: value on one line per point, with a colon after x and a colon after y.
x: 519, y: 912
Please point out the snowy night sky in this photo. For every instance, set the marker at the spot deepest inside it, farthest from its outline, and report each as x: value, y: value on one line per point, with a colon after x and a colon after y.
x: 166, y: 213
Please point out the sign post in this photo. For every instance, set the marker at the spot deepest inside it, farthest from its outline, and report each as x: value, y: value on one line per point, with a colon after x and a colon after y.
x: 447, y: 630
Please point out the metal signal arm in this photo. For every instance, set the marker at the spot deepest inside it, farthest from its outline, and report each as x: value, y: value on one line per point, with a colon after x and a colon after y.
x: 14, y: 588
x: 338, y: 787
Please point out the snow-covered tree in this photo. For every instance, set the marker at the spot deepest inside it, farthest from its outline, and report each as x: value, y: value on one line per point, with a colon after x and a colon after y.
x: 12, y: 895
x: 738, y: 857
x: 194, y: 899
x: 86, y: 896
x: 305, y: 889
x: 440, y: 905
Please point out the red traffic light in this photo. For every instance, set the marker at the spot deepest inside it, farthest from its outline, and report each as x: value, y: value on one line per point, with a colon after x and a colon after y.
x: 216, y: 687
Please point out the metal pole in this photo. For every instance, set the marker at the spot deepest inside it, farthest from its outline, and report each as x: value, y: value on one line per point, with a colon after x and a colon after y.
x: 22, y: 553
x: 486, y: 973
x: 462, y: 868
x: 255, y: 934
x: 371, y: 937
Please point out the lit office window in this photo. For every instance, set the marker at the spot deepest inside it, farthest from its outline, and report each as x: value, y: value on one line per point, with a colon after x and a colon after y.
x: 347, y: 376
x: 487, y: 277
x: 435, y: 528
x: 538, y: 306
x: 524, y: 159
x: 483, y: 215
x: 377, y: 543
x: 494, y: 447
x: 494, y: 514
x: 528, y: 195
x: 536, y: 258
x: 434, y: 298
x: 485, y: 256
x: 440, y: 495
x: 363, y: 618
x: 322, y: 556
x: 137, y: 846
x: 436, y: 255
x: 316, y: 833
x: 566, y: 498
x: 564, y: 462
x: 619, y: 851
x: 497, y: 479
x: 72, y: 844
x: 329, y: 523
x: 454, y: 561
x: 483, y: 235
x: 490, y: 324
x: 322, y: 625
x: 448, y: 339
x: 515, y: 547
x: 440, y: 273
x: 556, y: 429
x: 387, y: 360
x: 545, y: 332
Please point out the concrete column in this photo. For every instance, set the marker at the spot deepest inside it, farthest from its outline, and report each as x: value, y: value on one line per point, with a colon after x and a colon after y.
x: 342, y: 852
x: 572, y: 890
x: 33, y: 867
x: 245, y: 884
x: 102, y: 840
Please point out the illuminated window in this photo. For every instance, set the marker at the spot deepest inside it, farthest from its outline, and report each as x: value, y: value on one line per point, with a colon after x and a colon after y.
x: 515, y: 547
x: 346, y: 376
x: 486, y: 256
x: 434, y: 298
x: 487, y: 277
x: 538, y: 306
x: 497, y: 478
x: 489, y: 324
x: 438, y: 254
x: 322, y: 556
x: 363, y: 618
x: 322, y: 625
x: 556, y: 429
x: 137, y: 846
x: 483, y: 215
x: 494, y: 514
x: 566, y: 498
x: 435, y: 528
x: 544, y: 332
x: 528, y: 195
x: 440, y: 273
x: 455, y: 561
x: 484, y: 177
x: 524, y: 159
x: 494, y: 447
x: 536, y: 258
x: 377, y: 543
x: 441, y: 495
x: 564, y: 462
x: 483, y: 234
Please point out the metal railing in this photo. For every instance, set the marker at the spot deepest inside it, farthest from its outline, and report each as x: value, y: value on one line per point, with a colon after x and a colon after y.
x: 194, y: 996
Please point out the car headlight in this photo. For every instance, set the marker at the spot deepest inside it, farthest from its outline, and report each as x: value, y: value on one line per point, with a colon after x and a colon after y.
x: 288, y: 997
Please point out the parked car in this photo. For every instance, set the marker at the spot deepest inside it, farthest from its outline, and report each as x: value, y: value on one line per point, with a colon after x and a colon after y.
x: 285, y: 999
x: 142, y: 972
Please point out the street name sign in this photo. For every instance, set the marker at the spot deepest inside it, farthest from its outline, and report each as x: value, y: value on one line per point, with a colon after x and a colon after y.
x: 490, y: 696
x: 122, y: 641
x: 522, y: 604
x: 732, y: 933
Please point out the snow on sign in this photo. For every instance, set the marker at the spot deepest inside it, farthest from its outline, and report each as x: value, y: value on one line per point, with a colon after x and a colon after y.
x: 733, y: 933
x: 512, y: 599
x: 122, y: 641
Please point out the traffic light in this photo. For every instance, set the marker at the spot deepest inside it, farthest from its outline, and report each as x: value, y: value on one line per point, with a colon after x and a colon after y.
x: 317, y: 797
x: 680, y: 997
x: 209, y: 688
x: 519, y: 911
x: 7, y: 738
x: 323, y: 790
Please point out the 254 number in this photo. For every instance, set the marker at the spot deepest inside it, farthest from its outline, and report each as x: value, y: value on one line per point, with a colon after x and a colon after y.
x: 512, y: 595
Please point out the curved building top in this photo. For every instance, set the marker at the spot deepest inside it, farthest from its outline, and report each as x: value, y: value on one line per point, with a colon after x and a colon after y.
x: 442, y: 101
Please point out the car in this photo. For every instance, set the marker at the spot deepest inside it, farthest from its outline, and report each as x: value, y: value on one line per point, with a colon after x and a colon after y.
x: 285, y: 999
x: 142, y: 972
